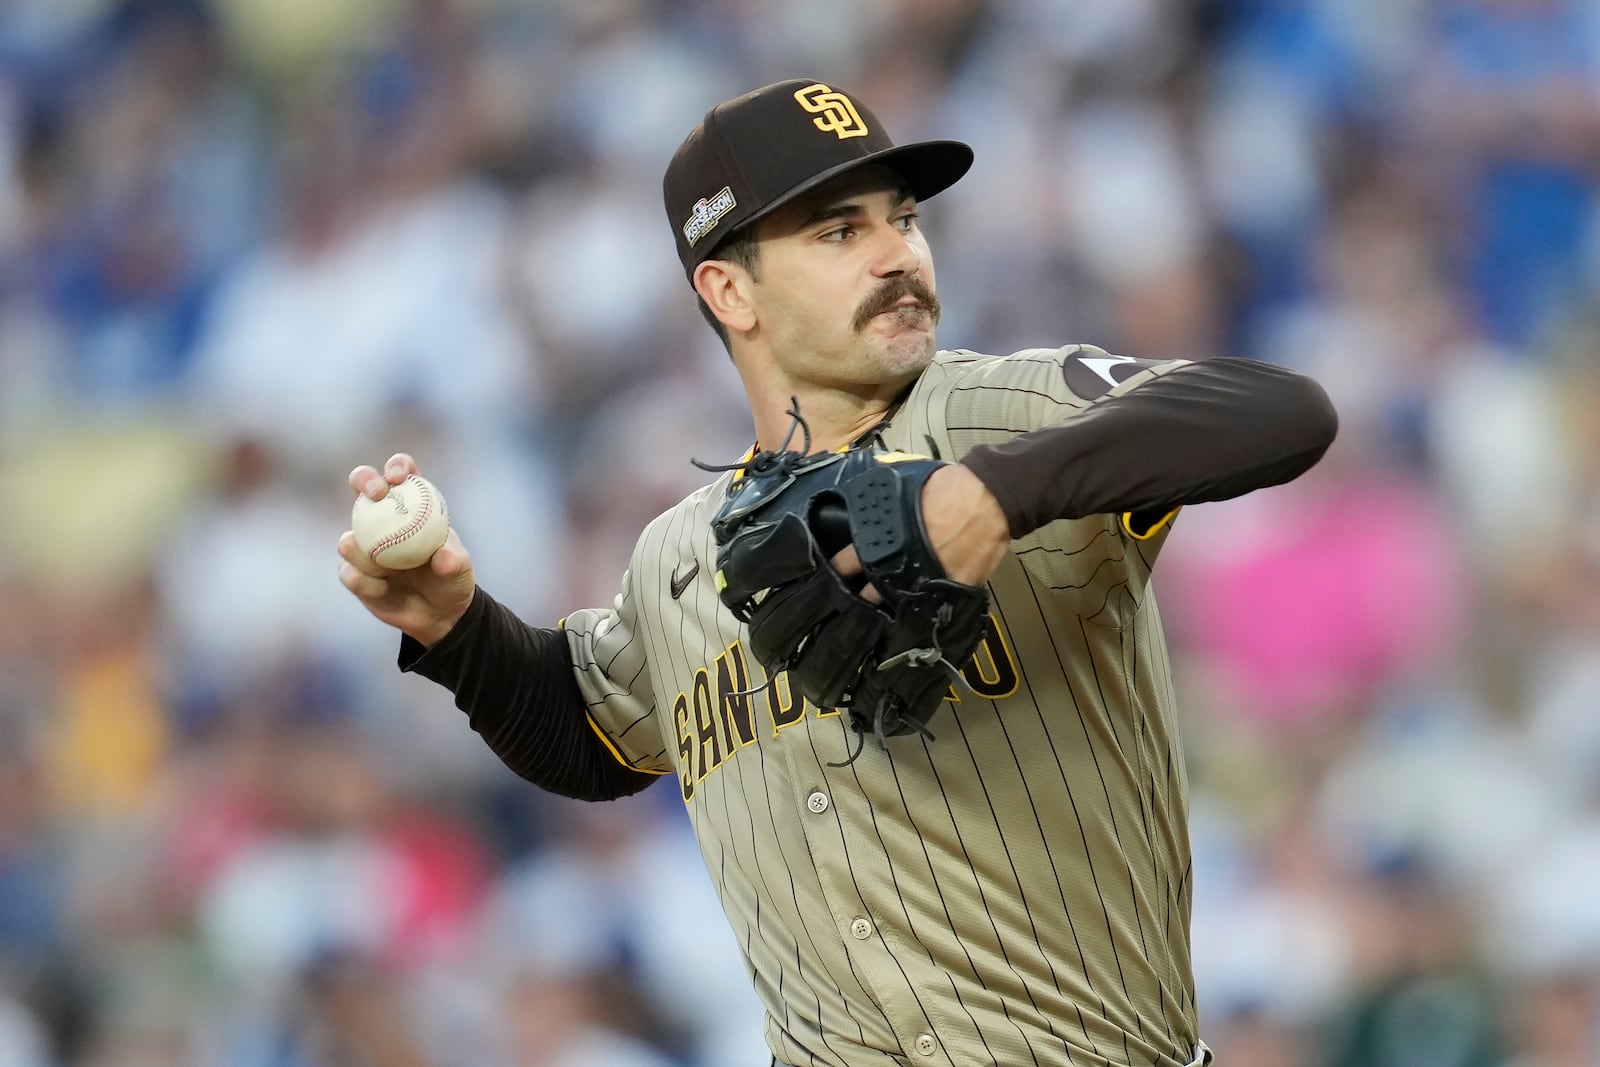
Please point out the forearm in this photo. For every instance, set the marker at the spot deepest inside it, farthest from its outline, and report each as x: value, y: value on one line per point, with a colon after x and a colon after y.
x: 515, y: 683
x: 1208, y: 431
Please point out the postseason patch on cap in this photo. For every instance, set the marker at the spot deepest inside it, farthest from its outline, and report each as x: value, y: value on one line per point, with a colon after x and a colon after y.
x: 705, y: 215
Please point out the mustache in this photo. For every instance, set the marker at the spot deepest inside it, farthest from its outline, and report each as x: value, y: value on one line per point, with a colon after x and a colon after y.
x: 891, y: 291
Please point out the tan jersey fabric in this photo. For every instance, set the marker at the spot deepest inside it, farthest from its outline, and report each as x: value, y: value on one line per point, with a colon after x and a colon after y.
x: 1016, y: 891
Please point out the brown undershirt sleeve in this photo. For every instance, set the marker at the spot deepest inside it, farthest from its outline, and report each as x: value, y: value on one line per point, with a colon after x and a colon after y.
x: 516, y: 685
x: 1207, y: 431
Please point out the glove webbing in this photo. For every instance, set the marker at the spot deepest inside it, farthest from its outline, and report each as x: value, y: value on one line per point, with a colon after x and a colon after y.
x: 919, y: 657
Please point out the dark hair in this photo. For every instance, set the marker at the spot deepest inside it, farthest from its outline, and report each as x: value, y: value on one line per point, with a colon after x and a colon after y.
x: 738, y: 247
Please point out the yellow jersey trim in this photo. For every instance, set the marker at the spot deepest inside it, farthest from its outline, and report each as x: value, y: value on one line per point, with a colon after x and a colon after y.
x: 601, y: 734
x: 749, y: 454
x: 1151, y: 530
x: 561, y: 624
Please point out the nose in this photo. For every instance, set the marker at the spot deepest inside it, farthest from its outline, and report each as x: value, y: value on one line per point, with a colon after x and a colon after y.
x: 899, y: 255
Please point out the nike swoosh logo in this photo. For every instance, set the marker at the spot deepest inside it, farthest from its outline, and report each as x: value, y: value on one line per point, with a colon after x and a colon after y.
x: 678, y: 585
x: 1102, y: 366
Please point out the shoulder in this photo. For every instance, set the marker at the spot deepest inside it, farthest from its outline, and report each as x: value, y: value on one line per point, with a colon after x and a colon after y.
x: 686, y: 520
x: 1071, y: 373
x: 965, y: 358
x: 966, y: 367
x: 966, y: 398
x: 957, y: 379
x: 698, y: 504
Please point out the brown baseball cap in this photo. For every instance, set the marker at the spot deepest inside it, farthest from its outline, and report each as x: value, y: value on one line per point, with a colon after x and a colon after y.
x: 755, y: 153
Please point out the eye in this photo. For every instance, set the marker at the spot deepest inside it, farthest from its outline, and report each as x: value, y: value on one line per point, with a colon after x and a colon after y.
x: 838, y: 234
x: 907, y: 222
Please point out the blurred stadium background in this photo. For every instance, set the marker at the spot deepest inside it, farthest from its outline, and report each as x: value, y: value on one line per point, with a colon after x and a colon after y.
x: 247, y: 244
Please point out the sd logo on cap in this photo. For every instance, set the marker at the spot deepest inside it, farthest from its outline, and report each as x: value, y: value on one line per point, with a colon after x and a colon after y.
x: 755, y: 153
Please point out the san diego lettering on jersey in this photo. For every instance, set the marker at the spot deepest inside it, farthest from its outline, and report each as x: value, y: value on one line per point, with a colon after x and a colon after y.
x: 724, y: 711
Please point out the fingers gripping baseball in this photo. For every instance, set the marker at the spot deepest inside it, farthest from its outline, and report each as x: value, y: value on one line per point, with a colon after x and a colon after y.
x: 401, y: 559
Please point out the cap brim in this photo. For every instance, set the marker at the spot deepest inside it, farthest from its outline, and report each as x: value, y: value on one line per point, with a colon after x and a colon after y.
x: 928, y: 167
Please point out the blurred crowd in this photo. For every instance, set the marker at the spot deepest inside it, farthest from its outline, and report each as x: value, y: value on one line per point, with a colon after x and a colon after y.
x: 246, y: 245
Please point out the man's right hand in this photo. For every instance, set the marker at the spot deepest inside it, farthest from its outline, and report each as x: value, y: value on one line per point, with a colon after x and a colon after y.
x: 424, y: 602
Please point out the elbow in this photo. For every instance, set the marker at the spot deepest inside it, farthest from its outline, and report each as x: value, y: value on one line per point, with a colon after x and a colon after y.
x: 1316, y: 417
x: 1301, y: 430
x: 1289, y: 414
x: 590, y: 777
x: 1276, y: 411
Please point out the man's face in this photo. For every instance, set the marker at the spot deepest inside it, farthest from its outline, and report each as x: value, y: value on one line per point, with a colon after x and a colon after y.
x: 846, y: 290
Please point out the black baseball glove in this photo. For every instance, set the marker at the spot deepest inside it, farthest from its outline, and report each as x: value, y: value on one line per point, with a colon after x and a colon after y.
x: 888, y: 664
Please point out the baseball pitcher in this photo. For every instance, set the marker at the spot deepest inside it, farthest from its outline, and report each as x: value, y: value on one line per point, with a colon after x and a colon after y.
x: 902, y: 660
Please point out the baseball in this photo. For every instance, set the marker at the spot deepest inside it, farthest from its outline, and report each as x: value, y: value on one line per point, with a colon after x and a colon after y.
x: 405, y: 528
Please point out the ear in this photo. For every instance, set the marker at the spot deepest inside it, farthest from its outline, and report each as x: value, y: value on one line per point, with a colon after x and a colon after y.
x: 726, y: 289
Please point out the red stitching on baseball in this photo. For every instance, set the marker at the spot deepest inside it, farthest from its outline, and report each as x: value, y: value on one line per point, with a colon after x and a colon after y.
x: 410, y: 528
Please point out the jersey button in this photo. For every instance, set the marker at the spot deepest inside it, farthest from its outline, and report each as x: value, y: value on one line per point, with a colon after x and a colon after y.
x: 817, y: 802
x: 861, y: 929
x: 926, y: 1045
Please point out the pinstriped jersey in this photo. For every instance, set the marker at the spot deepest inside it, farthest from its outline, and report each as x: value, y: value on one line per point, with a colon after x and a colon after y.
x: 1015, y: 890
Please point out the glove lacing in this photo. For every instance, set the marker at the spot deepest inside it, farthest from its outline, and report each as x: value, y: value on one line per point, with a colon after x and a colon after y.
x: 916, y: 657
x: 769, y: 460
